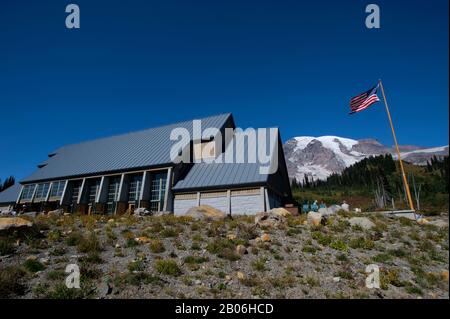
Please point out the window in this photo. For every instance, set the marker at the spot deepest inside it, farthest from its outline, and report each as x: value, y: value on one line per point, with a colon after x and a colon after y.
x: 76, y: 192
x: 113, y: 193
x: 93, y: 190
x: 57, y: 189
x: 41, y: 192
x: 135, y: 188
x: 204, y: 150
x: 157, y: 192
x: 27, y: 193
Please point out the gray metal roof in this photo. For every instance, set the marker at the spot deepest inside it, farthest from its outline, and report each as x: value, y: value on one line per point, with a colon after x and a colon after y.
x: 10, y: 194
x: 217, y: 175
x: 141, y: 149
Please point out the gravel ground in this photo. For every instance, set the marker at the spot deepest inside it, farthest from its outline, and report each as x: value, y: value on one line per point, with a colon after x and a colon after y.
x: 170, y: 257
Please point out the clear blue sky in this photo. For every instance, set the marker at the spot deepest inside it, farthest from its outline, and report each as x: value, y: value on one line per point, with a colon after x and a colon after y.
x: 292, y: 64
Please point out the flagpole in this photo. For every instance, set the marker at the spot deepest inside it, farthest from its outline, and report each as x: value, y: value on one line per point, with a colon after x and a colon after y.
x: 405, y: 181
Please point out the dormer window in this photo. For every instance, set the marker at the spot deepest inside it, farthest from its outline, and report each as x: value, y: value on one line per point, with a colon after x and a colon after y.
x: 204, y: 150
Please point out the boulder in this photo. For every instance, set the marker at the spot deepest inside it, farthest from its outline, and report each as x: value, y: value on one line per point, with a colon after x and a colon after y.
x: 142, y: 239
x: 205, y: 212
x: 357, y: 210
x: 280, y: 211
x: 439, y: 223
x: 268, y: 219
x: 314, y: 218
x: 363, y: 222
x: 265, y: 237
x: 345, y: 207
x: 422, y: 221
x: 241, y: 250
x: 162, y: 213
x: 333, y: 209
x: 141, y: 211
x: 14, y: 223
x: 30, y: 214
x: 56, y: 212
x: 240, y: 275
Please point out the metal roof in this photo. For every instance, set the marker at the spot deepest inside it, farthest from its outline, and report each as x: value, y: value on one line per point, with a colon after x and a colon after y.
x: 217, y: 175
x: 135, y: 150
x: 10, y: 194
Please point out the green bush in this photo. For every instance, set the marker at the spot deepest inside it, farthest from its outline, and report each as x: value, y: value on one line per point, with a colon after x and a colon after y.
x: 89, y: 244
x: 6, y: 246
x: 11, y: 282
x: 33, y: 265
x: 167, y: 267
x: 157, y: 246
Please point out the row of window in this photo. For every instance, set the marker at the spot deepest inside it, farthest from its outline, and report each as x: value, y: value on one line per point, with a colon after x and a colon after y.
x: 40, y: 191
x: 55, y: 190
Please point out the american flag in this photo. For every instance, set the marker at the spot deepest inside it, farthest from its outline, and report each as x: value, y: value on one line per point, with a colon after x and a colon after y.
x: 364, y: 100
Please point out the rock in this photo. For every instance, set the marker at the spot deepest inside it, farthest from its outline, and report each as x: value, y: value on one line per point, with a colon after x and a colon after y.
x: 422, y: 221
x: 265, y: 237
x: 44, y: 261
x: 280, y: 211
x: 345, y: 206
x: 142, y: 239
x: 241, y: 250
x: 30, y: 214
x: 323, y: 211
x: 162, y: 213
x: 205, y: 212
x: 314, y: 218
x: 268, y: 219
x: 8, y: 224
x: 104, y: 289
x: 31, y: 257
x: 141, y: 211
x: 439, y: 223
x: 56, y: 212
x: 336, y: 279
x: 240, y: 275
x: 111, y: 221
x: 231, y: 236
x: 362, y: 222
x: 333, y: 209
x: 444, y: 275
x: 227, y: 277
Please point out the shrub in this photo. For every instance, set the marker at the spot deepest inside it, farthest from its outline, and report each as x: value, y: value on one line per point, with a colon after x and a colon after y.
x: 73, y: 239
x: 322, y: 239
x: 169, y: 232
x: 167, y: 267
x: 224, y: 248
x: 6, y: 246
x: 136, y: 265
x: 56, y: 275
x: 58, y: 251
x: 362, y: 243
x: 33, y: 265
x: 382, y: 258
x: 131, y: 242
x: 137, y: 279
x: 195, y: 260
x: 339, y: 245
x: 11, y: 282
x: 157, y: 246
x: 93, y: 258
x: 259, y: 264
x: 89, y: 244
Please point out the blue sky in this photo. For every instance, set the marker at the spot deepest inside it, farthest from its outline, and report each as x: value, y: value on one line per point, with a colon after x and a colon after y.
x: 292, y: 64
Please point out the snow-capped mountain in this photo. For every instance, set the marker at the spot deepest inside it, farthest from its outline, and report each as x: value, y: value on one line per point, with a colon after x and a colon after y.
x: 318, y: 157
